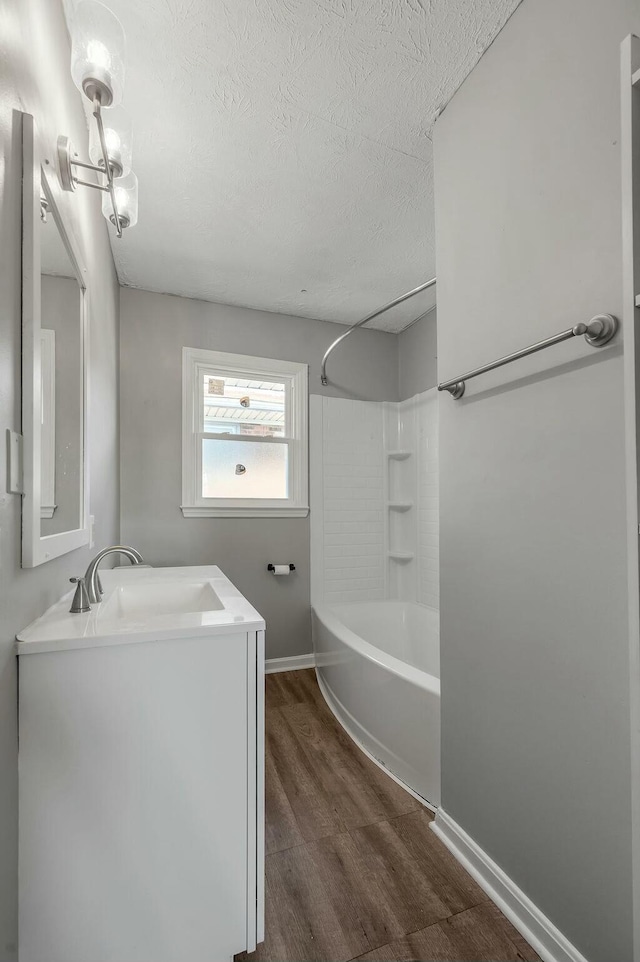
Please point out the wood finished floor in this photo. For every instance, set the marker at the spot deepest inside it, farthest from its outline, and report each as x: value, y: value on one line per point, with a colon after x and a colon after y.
x: 353, y: 870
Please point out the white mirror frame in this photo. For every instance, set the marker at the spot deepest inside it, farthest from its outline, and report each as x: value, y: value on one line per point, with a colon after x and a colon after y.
x: 35, y: 180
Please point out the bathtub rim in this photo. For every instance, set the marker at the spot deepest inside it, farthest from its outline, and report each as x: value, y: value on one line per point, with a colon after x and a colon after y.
x: 416, y: 676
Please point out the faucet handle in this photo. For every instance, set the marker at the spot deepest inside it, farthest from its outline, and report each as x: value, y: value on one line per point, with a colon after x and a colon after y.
x: 80, y: 601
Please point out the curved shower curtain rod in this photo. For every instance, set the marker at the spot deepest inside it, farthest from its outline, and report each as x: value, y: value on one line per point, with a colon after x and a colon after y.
x: 369, y: 317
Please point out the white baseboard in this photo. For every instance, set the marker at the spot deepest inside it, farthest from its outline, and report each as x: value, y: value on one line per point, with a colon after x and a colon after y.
x: 533, y: 925
x: 291, y: 663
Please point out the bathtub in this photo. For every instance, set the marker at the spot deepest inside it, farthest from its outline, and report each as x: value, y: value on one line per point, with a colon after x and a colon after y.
x: 378, y: 666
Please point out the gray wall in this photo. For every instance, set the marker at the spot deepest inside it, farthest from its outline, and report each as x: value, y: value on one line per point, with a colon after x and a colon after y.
x: 34, y: 76
x: 418, y: 356
x: 154, y: 329
x: 535, y: 721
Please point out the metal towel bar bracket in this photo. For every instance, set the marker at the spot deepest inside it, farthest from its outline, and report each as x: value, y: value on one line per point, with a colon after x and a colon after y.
x: 597, y: 333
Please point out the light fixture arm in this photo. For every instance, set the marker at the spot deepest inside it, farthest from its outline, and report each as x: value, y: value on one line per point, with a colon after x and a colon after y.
x: 81, y: 163
x: 88, y: 183
x: 107, y: 166
x: 66, y: 163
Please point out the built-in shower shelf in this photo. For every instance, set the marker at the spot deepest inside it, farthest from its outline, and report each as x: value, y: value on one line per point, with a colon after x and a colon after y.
x: 401, y: 555
x: 635, y: 78
x: 400, y: 505
x: 399, y: 455
x: 637, y: 300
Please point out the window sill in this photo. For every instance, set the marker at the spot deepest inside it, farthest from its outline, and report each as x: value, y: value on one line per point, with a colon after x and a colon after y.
x: 279, y: 512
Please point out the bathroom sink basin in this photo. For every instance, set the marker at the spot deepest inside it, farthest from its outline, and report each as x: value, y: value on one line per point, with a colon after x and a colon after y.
x: 142, y: 604
x: 153, y: 600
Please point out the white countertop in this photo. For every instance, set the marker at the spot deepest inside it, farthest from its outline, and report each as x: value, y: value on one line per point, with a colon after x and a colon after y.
x: 108, y: 623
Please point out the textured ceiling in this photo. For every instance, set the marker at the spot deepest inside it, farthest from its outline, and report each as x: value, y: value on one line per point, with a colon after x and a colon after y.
x: 283, y: 147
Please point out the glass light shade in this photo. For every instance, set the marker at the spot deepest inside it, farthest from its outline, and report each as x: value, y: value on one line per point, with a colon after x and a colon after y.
x: 126, y: 189
x: 97, y: 52
x: 118, y: 133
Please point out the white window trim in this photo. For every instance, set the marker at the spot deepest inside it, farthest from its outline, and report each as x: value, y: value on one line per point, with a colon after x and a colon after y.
x: 255, y: 368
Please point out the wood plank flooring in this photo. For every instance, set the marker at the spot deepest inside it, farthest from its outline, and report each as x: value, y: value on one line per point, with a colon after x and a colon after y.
x: 353, y: 870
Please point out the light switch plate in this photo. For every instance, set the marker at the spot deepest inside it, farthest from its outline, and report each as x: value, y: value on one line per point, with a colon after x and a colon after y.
x: 14, y: 462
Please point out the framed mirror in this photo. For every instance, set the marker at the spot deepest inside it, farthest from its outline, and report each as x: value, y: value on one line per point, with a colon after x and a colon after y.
x: 55, y: 303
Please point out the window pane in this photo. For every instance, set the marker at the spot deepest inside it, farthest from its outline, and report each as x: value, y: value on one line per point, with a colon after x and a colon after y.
x: 239, y: 406
x: 265, y: 475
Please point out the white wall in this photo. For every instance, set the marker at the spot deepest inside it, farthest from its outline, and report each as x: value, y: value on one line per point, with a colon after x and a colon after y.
x: 154, y: 329
x: 535, y: 742
x: 34, y: 76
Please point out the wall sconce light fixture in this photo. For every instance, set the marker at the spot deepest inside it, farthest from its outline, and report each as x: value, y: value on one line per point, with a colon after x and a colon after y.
x: 97, y: 68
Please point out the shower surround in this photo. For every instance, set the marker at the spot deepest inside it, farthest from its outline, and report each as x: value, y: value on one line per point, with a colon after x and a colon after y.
x: 375, y: 579
x: 374, y: 496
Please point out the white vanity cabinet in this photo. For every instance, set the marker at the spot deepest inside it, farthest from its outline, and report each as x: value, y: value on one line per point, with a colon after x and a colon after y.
x: 141, y: 775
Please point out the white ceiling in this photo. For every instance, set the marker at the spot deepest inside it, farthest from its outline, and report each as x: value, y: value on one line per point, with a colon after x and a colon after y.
x: 283, y: 147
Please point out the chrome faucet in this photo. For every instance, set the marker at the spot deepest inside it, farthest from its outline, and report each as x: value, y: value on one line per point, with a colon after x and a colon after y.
x: 92, y: 578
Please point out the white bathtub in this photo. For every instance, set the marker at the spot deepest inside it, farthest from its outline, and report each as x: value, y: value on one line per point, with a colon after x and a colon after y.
x: 378, y: 665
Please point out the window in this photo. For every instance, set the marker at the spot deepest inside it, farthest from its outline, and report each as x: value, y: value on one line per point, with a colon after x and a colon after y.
x: 244, y: 436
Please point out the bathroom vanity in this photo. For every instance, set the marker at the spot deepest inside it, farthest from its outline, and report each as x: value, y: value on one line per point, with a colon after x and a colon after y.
x: 141, y: 773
